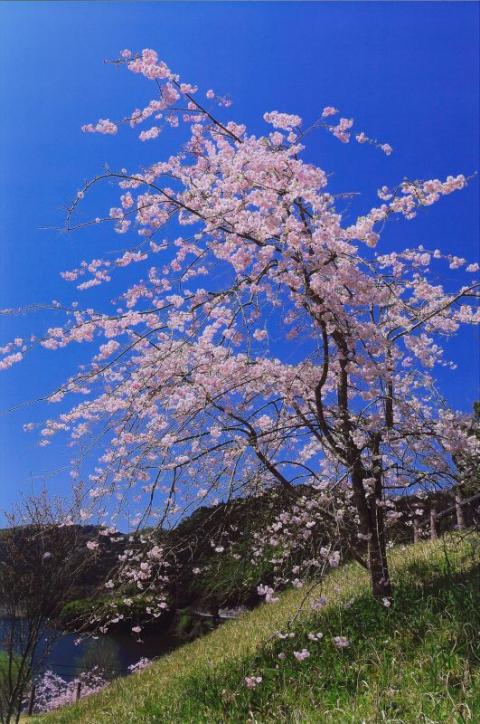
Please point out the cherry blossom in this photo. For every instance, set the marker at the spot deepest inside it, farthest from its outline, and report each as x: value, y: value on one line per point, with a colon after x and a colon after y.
x: 252, y: 681
x: 53, y: 692
x: 341, y: 642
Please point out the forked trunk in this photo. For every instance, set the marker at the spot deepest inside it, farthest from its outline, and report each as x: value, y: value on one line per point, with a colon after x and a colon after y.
x: 372, y: 519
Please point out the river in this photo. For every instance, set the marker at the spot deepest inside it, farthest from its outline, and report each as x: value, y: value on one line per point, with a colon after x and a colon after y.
x: 114, y: 652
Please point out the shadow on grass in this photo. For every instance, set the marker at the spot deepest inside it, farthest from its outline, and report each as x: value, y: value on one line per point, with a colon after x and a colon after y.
x: 428, y: 637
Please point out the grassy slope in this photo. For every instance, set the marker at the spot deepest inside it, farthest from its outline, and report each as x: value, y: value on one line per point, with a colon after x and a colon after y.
x: 416, y: 661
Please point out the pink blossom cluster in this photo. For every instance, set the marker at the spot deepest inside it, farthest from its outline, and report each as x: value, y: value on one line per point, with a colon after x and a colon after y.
x: 251, y: 682
x: 104, y: 125
x: 141, y: 664
x: 53, y: 692
x: 140, y: 580
x: 282, y: 120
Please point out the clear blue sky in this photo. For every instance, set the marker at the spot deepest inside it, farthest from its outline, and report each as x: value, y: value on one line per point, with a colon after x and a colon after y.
x: 407, y: 72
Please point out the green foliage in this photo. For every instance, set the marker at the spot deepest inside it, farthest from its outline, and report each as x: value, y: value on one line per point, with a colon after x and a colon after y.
x: 187, y: 626
x: 229, y: 580
x: 80, y: 614
x: 4, y: 664
x: 75, y: 612
x: 102, y: 654
x: 9, y: 670
x: 415, y: 661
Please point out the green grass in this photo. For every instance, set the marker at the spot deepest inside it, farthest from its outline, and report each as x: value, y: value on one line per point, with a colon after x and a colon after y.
x: 418, y: 660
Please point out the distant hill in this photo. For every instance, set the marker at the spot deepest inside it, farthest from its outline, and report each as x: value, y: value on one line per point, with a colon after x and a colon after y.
x: 222, y: 580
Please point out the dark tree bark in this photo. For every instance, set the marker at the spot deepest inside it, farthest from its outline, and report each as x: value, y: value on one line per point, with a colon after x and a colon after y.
x: 378, y: 564
x: 372, y: 521
x: 369, y: 504
x: 377, y: 545
x: 416, y: 530
x: 433, y: 523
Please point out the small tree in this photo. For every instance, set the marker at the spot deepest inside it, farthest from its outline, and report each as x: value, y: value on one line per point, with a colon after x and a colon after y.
x: 268, y: 345
x: 40, y: 559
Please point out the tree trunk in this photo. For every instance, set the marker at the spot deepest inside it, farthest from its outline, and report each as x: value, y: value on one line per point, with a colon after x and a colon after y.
x: 377, y: 556
x: 459, y: 512
x: 78, y: 690
x: 433, y: 523
x: 31, y: 701
x: 372, y: 523
x: 416, y: 530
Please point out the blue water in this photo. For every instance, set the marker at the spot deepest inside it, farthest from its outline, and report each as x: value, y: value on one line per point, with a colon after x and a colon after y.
x: 114, y: 652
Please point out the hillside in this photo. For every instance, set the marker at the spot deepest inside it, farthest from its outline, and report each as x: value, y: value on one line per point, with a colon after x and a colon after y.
x: 231, y: 579
x: 415, y: 661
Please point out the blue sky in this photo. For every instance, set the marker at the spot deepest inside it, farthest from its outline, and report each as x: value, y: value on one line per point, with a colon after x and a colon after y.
x: 407, y: 72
